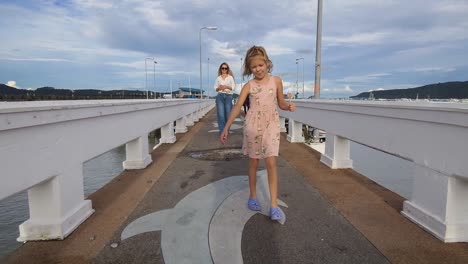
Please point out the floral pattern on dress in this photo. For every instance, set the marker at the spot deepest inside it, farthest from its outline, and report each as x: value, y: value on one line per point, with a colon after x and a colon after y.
x: 261, y: 127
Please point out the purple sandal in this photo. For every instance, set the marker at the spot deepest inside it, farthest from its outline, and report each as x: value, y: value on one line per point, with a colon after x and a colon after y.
x: 254, y: 205
x: 275, y: 213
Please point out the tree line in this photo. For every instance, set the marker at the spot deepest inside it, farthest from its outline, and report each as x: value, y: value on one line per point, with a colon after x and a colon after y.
x: 8, y: 93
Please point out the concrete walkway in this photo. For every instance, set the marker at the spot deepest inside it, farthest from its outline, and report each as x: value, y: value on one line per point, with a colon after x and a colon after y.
x: 189, y: 206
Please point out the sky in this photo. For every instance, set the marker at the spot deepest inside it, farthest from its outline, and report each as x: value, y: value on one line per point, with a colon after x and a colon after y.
x: 102, y: 44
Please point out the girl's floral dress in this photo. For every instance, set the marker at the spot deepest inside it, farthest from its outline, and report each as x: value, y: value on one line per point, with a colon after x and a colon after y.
x: 261, y: 127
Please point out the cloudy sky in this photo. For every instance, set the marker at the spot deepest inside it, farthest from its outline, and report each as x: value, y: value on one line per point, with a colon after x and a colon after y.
x: 102, y: 44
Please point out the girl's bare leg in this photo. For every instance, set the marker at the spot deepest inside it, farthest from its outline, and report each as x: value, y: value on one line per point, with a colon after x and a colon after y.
x: 272, y: 179
x: 253, y: 164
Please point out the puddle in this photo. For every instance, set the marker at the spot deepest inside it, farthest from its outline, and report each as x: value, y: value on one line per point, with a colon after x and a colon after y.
x: 219, y: 154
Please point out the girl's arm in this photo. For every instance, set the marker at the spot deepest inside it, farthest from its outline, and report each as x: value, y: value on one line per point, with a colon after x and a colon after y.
x: 280, y: 97
x: 236, y: 109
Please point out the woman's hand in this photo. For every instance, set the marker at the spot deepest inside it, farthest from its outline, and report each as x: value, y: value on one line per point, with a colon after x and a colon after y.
x: 291, y: 107
x: 223, y: 137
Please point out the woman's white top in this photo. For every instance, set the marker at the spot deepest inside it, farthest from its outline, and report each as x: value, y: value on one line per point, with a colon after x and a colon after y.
x: 229, y: 81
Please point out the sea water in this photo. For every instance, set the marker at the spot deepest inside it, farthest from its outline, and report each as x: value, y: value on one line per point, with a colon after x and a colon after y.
x: 97, y: 172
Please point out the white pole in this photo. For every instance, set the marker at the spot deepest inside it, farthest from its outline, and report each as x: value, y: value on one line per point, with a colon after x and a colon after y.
x: 297, y: 60
x: 199, y: 38
x: 146, y: 75
x: 208, y: 73
x: 318, y: 51
x: 297, y: 79
x: 241, y: 72
x: 146, y: 80
x: 154, y: 79
x: 302, y: 78
x: 315, y: 133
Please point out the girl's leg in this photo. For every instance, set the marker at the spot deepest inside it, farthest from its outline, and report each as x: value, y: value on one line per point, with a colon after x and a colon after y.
x: 272, y: 179
x: 253, y: 164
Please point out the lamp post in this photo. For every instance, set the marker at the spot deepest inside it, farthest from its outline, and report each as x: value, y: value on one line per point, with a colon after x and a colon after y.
x: 318, y: 51
x: 297, y: 80
x: 297, y: 60
x: 154, y: 79
x: 190, y: 86
x: 208, y: 73
x: 241, y: 73
x: 146, y: 75
x: 199, y: 38
x: 315, y: 134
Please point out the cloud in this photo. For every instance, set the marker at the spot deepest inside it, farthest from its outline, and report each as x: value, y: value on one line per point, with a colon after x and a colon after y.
x: 365, y: 78
x: 433, y: 69
x: 11, y: 84
x: 35, y: 59
x: 104, y: 43
x: 364, y: 38
x: 93, y: 4
x: 377, y: 89
x: 338, y: 90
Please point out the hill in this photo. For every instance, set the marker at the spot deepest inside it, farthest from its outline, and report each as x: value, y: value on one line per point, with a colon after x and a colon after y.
x: 8, y: 93
x: 448, y: 90
x: 5, y: 89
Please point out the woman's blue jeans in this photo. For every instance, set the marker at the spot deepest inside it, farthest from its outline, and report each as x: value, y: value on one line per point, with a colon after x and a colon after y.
x: 223, y: 107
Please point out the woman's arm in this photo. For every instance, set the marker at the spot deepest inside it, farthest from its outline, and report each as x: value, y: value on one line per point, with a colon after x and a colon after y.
x: 280, y: 97
x: 230, y: 84
x: 217, y: 86
x: 236, y: 109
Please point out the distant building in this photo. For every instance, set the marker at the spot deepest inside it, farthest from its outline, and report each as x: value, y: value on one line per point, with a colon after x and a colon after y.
x: 185, y: 92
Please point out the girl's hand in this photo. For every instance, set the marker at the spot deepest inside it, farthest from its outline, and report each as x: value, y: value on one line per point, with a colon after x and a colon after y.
x: 291, y: 107
x: 224, y: 135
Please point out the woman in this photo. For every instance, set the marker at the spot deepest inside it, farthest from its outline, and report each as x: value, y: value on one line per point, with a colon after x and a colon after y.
x: 224, y: 86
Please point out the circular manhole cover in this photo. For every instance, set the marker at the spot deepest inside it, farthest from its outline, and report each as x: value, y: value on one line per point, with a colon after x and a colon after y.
x: 219, y: 154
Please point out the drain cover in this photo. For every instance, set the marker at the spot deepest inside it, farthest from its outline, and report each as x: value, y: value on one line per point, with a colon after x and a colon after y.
x: 219, y: 154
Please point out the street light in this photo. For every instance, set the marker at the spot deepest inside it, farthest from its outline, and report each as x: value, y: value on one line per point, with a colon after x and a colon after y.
x: 154, y: 79
x: 199, y: 38
x: 297, y: 79
x: 146, y: 75
x: 190, y: 86
x: 208, y: 73
x: 241, y: 73
x: 318, y: 51
x: 315, y: 134
x: 297, y: 60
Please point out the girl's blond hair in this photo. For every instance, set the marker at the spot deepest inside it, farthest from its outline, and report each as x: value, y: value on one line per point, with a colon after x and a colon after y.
x: 252, y: 52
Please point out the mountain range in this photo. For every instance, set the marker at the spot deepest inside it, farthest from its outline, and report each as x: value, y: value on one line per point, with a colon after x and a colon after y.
x: 447, y: 90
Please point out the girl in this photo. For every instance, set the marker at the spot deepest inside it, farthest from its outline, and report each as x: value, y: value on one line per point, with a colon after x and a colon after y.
x: 261, y: 127
x: 224, y: 85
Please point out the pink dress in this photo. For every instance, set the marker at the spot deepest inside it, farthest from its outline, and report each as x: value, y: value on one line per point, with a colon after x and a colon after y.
x: 261, y: 127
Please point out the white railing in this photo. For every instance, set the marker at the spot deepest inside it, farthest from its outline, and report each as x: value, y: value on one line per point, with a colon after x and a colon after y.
x: 43, y: 146
x: 433, y: 136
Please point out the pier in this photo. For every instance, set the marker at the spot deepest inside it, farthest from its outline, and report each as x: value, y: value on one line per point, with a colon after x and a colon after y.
x: 185, y: 201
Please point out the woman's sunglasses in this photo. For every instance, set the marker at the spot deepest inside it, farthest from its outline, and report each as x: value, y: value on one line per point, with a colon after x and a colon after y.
x: 224, y: 68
